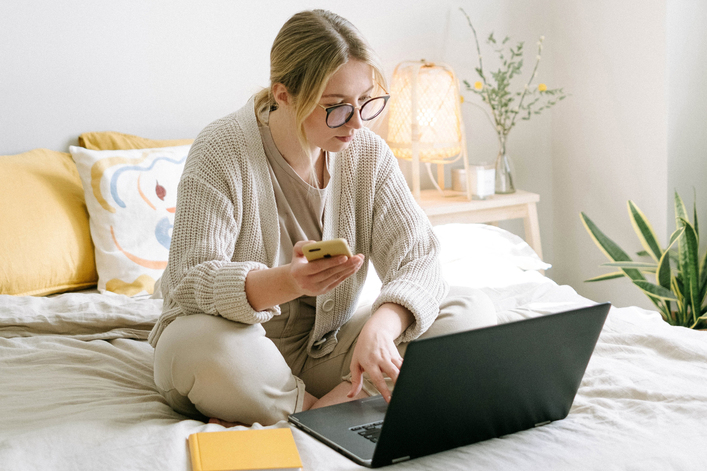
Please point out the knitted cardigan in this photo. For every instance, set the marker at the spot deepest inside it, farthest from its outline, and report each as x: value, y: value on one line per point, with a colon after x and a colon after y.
x: 226, y: 224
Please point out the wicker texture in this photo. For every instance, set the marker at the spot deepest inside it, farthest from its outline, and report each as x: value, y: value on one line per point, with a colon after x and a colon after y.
x: 437, y: 117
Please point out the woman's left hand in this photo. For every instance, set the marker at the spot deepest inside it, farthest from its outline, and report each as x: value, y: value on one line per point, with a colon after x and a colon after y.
x: 375, y: 351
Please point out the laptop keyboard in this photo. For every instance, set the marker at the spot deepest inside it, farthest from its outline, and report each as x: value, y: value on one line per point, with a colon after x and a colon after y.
x: 369, y: 431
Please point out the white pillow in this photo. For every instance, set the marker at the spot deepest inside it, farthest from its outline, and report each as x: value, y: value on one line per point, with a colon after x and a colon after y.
x: 482, y: 242
x: 131, y: 197
x: 475, y: 255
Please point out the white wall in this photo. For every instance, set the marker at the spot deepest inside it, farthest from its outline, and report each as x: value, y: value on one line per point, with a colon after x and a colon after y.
x: 634, y: 128
x: 609, y: 140
x: 687, y: 106
x: 156, y: 69
x: 166, y: 69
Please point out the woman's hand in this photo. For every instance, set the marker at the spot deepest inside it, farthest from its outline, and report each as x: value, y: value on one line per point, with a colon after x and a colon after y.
x: 269, y: 287
x: 375, y: 351
x: 320, y: 276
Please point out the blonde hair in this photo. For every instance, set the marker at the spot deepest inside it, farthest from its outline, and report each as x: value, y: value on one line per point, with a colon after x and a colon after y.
x: 310, y: 47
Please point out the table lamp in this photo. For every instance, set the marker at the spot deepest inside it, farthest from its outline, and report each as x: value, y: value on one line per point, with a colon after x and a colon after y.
x: 424, y: 119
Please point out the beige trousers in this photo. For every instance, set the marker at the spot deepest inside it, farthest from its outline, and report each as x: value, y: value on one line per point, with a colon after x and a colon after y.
x: 208, y: 366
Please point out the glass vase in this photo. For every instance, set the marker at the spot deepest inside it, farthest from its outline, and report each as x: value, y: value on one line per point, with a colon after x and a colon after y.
x: 504, y: 169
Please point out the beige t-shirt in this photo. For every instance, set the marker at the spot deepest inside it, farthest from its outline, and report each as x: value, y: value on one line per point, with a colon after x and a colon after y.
x: 300, y: 208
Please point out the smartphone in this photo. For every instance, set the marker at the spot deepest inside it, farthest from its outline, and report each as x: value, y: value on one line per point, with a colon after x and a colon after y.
x: 326, y: 249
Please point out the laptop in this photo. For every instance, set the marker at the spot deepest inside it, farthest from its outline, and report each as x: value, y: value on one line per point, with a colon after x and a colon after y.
x: 462, y: 388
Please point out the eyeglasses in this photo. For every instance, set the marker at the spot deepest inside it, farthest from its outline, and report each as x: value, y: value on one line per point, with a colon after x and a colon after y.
x: 338, y: 115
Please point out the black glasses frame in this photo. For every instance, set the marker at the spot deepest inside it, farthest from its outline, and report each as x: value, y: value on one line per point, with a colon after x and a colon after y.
x: 329, y: 109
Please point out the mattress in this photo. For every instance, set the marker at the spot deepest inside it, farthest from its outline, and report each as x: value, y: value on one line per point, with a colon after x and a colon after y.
x: 76, y: 387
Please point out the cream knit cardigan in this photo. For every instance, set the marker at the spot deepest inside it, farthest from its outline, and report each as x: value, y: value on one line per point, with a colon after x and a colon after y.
x: 226, y: 224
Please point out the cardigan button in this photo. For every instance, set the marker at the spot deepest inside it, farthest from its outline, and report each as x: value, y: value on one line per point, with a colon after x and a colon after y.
x: 328, y: 305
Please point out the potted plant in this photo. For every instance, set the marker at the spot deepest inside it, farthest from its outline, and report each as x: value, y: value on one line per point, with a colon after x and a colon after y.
x: 680, y: 275
x: 505, y: 104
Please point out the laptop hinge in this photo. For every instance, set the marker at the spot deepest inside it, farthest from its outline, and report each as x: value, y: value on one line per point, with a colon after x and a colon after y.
x: 400, y: 460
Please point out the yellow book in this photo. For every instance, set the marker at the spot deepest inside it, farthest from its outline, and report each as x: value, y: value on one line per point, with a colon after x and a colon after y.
x: 244, y: 450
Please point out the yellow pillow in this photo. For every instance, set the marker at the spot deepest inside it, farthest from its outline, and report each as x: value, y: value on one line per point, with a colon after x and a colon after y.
x: 111, y: 140
x: 45, y: 241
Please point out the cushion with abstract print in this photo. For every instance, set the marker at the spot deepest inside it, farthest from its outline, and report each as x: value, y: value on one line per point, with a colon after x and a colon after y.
x: 131, y: 197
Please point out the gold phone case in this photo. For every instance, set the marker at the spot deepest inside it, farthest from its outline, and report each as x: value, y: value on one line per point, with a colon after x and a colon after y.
x: 326, y: 249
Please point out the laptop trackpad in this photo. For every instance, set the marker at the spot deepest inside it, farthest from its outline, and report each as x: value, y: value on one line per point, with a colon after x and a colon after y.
x: 340, y: 424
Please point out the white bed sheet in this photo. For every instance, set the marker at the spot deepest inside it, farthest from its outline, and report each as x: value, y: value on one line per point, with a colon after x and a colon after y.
x: 76, y: 389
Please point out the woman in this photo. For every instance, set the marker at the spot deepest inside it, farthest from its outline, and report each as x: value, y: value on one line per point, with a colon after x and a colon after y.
x: 251, y: 331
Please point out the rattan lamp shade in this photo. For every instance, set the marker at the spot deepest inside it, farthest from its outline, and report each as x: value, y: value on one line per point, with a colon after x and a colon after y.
x: 424, y: 119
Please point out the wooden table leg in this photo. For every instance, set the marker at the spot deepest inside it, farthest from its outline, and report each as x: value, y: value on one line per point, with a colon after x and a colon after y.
x: 532, y: 229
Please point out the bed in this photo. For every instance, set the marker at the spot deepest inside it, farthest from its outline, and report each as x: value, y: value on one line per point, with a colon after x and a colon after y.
x: 76, y: 387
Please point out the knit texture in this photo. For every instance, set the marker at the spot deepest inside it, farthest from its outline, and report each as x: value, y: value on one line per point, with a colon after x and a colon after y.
x: 226, y: 225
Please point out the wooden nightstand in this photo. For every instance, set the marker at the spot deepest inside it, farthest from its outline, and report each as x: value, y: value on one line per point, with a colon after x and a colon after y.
x: 521, y: 204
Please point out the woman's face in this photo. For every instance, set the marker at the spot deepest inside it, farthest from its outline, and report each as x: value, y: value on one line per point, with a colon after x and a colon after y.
x: 352, y: 83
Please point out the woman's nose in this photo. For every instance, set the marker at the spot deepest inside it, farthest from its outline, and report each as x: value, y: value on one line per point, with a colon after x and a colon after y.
x: 355, y: 122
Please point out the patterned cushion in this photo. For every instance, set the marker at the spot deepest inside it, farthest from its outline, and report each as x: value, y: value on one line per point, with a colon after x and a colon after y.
x: 131, y: 199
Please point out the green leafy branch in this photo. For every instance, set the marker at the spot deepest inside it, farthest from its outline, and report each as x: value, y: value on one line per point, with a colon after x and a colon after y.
x: 496, y: 91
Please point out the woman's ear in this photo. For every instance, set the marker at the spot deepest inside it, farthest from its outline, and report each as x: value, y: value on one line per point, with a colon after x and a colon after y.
x: 281, y: 95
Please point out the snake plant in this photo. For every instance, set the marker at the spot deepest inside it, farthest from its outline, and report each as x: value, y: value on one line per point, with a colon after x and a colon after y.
x: 677, y: 278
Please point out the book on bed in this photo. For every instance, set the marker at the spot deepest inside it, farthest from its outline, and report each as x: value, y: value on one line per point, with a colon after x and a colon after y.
x: 244, y: 450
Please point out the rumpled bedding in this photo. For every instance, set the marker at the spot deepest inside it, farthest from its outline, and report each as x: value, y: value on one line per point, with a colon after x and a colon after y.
x: 79, y: 316
x: 76, y: 388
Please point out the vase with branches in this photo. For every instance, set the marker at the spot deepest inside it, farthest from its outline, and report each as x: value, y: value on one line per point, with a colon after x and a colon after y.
x: 506, y: 105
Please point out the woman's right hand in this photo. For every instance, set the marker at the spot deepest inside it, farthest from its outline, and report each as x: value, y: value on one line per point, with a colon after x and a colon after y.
x: 323, y: 275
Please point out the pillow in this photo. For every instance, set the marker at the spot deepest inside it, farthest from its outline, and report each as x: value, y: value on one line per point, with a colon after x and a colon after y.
x: 110, y: 140
x: 486, y: 242
x: 131, y: 197
x: 475, y: 255
x: 45, y: 243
